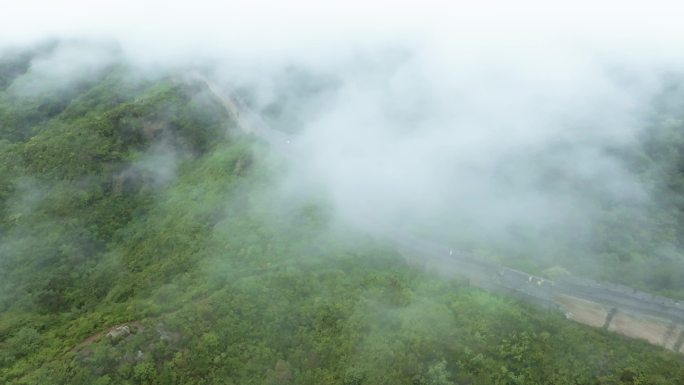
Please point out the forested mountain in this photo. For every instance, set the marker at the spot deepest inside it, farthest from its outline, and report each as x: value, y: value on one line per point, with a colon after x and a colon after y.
x: 142, y: 242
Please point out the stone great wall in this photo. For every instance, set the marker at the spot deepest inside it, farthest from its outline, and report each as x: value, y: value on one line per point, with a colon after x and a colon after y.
x: 617, y: 308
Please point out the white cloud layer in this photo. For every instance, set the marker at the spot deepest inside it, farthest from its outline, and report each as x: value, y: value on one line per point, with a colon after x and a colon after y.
x: 296, y: 26
x: 435, y: 109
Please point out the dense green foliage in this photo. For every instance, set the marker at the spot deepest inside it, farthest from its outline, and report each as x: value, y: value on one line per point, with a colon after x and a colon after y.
x: 136, y: 202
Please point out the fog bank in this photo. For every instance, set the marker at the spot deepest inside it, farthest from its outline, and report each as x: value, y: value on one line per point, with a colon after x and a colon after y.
x: 459, y: 121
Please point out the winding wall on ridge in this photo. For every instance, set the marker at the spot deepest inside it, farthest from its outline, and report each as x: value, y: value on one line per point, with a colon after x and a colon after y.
x: 617, y: 308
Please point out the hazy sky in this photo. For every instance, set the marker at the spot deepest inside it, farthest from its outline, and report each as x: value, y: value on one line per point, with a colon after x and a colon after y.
x: 271, y: 25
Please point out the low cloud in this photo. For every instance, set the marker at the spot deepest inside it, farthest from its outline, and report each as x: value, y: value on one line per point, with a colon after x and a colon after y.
x: 64, y: 65
x: 461, y: 118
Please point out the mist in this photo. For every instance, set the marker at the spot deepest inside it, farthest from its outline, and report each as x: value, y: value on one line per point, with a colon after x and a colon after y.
x: 470, y: 124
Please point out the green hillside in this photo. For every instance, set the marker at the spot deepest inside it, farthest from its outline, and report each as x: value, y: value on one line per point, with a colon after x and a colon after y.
x: 137, y: 203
